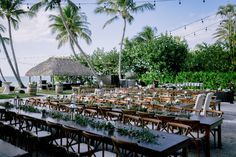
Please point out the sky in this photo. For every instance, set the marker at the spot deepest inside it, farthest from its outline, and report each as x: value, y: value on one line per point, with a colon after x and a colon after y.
x: 34, y: 41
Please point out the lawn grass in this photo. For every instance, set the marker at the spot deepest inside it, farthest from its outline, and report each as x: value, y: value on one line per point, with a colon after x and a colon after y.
x: 25, y: 95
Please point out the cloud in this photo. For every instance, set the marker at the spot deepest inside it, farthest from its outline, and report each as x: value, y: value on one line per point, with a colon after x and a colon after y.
x: 34, y: 29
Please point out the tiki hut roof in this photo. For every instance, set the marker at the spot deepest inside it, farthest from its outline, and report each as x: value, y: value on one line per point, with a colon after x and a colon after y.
x: 59, y: 66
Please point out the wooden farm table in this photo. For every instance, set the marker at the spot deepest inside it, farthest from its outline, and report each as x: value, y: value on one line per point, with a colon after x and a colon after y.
x: 209, y: 123
x: 9, y: 150
x: 165, y: 144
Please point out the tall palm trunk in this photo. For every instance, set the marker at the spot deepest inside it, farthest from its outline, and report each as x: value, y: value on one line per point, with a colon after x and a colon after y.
x: 20, y: 83
x: 2, y: 76
x: 121, y: 48
x: 73, y: 49
x: 12, y: 48
x: 10, y: 63
x: 74, y: 40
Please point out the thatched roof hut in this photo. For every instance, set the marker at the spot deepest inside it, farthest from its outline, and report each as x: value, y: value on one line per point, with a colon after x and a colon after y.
x: 59, y: 66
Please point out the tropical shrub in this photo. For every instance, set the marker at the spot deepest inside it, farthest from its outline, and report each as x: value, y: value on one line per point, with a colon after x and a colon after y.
x: 163, y: 54
x: 210, y: 80
x: 214, y: 58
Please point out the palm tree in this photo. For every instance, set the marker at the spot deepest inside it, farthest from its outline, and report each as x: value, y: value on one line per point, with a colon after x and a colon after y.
x: 52, y: 4
x: 2, y: 29
x: 227, y: 28
x: 77, y: 23
x: 2, y: 41
x: 123, y: 9
x: 147, y: 34
x: 11, y: 11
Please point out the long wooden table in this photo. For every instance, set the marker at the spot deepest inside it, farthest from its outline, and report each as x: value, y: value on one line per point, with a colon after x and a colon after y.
x: 165, y: 144
x: 209, y: 123
x: 9, y: 150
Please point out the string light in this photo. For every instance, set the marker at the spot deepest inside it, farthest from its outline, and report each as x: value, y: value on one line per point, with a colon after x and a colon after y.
x: 137, y: 1
x: 201, y: 29
x: 28, y: 6
x: 199, y: 20
x: 179, y: 2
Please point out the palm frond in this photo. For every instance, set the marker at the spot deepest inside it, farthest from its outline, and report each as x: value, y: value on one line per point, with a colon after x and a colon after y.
x: 37, y: 6
x: 110, y: 21
x: 2, y: 28
x: 102, y: 1
x: 143, y: 7
x: 15, y: 23
x: 100, y: 10
x: 73, y: 5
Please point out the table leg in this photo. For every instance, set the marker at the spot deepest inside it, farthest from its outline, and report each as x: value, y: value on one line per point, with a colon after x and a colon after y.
x: 185, y: 152
x: 219, y: 137
x: 219, y: 103
x: 207, y: 139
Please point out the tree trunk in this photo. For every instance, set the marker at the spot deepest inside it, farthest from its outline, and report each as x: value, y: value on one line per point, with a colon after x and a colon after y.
x: 73, y: 50
x: 12, y: 48
x: 74, y: 40
x: 10, y: 63
x: 3, y: 78
x: 20, y: 83
x: 121, y: 48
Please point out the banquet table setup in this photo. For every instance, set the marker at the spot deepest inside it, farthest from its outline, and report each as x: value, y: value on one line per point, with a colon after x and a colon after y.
x: 154, y: 126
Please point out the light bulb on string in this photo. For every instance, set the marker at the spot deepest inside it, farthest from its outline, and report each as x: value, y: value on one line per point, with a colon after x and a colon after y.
x: 105, y: 6
x: 203, y: 1
x: 28, y: 6
x: 206, y: 29
x: 154, y: 3
x: 202, y: 21
x: 79, y: 6
x: 179, y: 2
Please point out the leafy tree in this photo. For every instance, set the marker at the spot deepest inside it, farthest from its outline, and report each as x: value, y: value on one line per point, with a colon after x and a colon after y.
x: 227, y: 28
x: 52, y: 4
x: 147, y: 34
x: 209, y: 58
x: 77, y: 23
x: 165, y: 54
x: 123, y: 9
x: 105, y: 62
x: 11, y: 10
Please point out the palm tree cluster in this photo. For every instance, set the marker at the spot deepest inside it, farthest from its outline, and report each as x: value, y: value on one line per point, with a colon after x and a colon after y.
x: 226, y: 31
x: 11, y: 11
x: 121, y: 9
x: 71, y: 24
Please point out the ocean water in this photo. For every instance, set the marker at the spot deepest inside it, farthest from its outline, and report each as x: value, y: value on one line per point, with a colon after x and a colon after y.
x: 25, y: 79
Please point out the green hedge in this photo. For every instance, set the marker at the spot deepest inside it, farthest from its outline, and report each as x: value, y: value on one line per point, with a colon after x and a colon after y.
x: 210, y: 80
